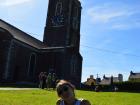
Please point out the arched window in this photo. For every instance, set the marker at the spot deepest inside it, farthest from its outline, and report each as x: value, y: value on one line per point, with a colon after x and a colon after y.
x: 73, y: 65
x: 58, y: 9
x: 75, y: 18
x: 76, y: 12
x: 32, y: 64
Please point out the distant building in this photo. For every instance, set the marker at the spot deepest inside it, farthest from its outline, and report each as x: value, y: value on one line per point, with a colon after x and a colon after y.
x: 107, y: 80
x: 134, y: 76
x: 90, y: 81
x: 98, y: 80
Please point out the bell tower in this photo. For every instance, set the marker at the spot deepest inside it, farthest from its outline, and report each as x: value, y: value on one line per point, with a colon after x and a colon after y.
x: 63, y: 23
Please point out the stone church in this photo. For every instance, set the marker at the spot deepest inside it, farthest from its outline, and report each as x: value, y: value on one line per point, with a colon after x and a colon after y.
x: 22, y: 57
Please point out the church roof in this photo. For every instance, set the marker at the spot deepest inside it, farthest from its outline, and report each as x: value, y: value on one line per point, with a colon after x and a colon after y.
x: 22, y: 36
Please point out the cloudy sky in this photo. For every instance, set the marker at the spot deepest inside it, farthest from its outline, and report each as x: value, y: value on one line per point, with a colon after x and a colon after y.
x: 109, y: 32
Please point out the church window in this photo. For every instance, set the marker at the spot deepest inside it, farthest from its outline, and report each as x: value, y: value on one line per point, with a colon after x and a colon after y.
x: 75, y: 18
x: 73, y: 65
x: 32, y: 63
x: 75, y: 12
x: 58, y: 10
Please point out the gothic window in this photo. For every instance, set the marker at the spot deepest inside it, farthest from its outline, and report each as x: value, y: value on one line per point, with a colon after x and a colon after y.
x: 58, y: 18
x: 73, y: 39
x: 32, y: 63
x: 76, y: 12
x: 58, y: 9
x: 75, y: 18
x: 73, y: 65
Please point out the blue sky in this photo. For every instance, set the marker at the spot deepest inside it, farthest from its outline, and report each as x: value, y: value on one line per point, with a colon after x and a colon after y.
x: 109, y: 32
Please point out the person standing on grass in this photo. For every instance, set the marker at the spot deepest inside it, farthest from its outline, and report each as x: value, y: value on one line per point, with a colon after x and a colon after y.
x: 65, y: 90
x: 44, y: 79
x: 40, y: 80
x: 54, y: 78
x: 49, y: 81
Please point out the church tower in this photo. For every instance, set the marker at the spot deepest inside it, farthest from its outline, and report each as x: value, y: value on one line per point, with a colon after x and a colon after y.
x: 63, y: 23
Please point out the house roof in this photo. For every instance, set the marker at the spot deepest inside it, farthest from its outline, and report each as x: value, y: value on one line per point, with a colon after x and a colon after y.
x: 107, y: 80
x: 22, y: 36
x: 90, y: 81
x: 134, y: 75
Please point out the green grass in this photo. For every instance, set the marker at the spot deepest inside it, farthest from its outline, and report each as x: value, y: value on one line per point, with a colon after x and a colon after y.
x: 44, y: 97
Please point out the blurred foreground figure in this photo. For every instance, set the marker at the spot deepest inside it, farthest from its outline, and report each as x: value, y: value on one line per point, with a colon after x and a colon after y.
x: 65, y: 90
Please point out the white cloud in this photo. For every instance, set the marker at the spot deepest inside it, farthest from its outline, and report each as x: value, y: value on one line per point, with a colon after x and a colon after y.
x: 120, y: 26
x: 115, y: 17
x: 125, y: 26
x: 16, y: 9
x: 13, y: 2
x: 106, y: 13
x: 104, y: 16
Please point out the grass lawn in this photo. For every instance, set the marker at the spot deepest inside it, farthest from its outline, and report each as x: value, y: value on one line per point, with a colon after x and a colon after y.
x: 44, y: 97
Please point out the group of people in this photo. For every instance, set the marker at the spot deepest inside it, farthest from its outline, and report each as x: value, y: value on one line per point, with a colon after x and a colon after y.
x: 48, y: 81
